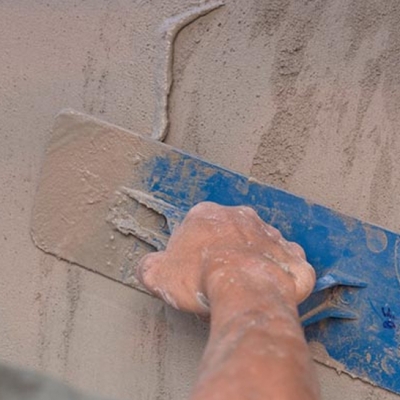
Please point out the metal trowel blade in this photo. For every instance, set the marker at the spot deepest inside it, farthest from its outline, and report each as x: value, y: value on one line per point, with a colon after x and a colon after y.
x: 83, y: 211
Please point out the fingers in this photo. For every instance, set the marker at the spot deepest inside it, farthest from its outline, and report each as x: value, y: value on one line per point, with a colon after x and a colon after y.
x: 154, y: 276
x: 149, y: 269
x: 160, y: 275
x: 213, y: 211
x: 206, y: 210
x: 249, y: 221
x: 291, y: 257
x: 247, y: 211
x: 271, y: 232
x: 305, y: 280
x: 297, y: 250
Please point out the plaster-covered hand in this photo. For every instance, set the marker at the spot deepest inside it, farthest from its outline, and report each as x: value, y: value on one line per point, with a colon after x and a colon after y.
x: 215, y: 244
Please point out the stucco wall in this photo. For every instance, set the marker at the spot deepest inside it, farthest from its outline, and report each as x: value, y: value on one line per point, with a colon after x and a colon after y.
x: 300, y: 94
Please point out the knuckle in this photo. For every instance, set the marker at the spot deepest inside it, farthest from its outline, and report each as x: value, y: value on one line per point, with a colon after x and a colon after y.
x: 276, y: 232
x: 248, y: 210
x: 297, y: 249
x: 272, y: 232
x: 305, y: 281
x: 209, y: 211
x: 203, y: 208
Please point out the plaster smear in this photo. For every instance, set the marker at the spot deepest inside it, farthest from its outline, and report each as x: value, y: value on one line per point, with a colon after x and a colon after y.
x: 78, y: 197
x: 163, y: 71
x: 301, y: 94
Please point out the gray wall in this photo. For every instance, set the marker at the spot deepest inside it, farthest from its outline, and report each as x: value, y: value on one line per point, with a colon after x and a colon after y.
x: 301, y: 94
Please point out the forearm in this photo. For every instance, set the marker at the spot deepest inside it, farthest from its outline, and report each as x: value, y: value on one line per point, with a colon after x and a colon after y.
x: 256, y: 348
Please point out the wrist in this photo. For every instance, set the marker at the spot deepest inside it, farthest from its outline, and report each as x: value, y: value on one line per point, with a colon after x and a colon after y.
x: 241, y: 300
x: 249, y: 284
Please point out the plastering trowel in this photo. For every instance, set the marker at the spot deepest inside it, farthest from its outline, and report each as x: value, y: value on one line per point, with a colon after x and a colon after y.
x: 108, y: 196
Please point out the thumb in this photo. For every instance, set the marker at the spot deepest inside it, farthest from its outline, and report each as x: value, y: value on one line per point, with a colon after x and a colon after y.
x: 151, y: 272
x: 148, y: 271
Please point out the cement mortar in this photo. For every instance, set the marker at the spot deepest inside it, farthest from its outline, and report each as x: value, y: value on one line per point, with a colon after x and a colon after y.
x: 301, y: 94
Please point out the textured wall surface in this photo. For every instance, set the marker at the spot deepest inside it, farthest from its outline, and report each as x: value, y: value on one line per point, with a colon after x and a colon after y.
x: 301, y: 94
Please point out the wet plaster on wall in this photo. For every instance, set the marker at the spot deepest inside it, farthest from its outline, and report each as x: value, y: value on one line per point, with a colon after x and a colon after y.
x: 301, y: 94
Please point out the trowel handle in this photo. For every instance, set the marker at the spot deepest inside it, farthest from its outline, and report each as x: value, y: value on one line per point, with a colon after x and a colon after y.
x: 330, y: 290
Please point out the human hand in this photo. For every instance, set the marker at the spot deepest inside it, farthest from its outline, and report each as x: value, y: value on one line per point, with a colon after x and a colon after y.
x: 214, y: 243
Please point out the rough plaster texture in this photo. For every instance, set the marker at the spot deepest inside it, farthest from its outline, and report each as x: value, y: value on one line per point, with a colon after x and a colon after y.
x: 302, y: 94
